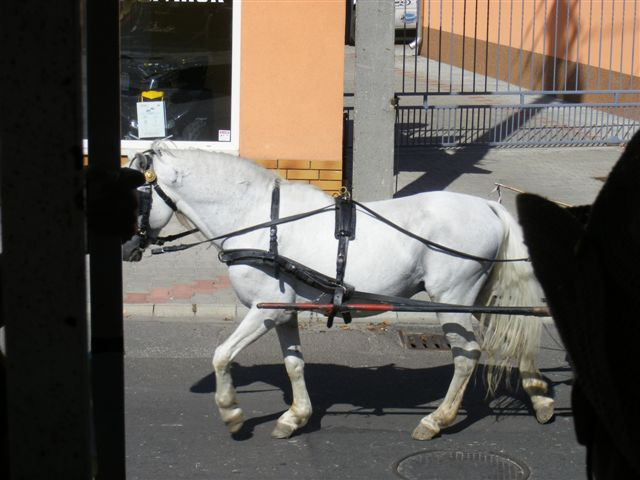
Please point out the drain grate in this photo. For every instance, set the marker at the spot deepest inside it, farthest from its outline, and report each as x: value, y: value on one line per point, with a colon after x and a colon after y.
x: 454, y: 465
x: 424, y: 341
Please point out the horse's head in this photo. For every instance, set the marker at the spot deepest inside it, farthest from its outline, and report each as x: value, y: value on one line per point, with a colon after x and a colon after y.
x: 155, y: 207
x: 588, y: 268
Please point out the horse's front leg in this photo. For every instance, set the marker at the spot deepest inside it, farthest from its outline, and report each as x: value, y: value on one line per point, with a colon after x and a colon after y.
x: 300, y: 410
x: 252, y: 327
x: 466, y: 353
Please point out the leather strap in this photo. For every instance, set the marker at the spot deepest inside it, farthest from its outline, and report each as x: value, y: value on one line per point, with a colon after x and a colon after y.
x: 172, y: 205
x: 345, y: 231
x: 273, y: 229
x: 260, y: 258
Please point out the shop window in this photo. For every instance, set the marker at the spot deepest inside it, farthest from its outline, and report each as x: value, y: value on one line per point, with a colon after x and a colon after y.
x: 175, y: 69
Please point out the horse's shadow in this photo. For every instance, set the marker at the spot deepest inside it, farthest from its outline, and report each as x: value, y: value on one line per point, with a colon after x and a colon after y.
x: 377, y: 390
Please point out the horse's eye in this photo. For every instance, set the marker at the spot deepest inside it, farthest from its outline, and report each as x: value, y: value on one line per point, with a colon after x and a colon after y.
x: 142, y: 162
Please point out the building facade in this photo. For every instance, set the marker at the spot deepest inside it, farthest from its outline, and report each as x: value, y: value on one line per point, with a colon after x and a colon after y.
x: 261, y: 79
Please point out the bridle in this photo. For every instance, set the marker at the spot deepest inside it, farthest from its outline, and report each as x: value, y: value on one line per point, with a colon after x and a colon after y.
x: 145, y: 196
x: 143, y: 236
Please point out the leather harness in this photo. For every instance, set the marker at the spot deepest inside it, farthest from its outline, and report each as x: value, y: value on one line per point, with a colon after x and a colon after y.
x: 345, y: 231
x: 345, y: 223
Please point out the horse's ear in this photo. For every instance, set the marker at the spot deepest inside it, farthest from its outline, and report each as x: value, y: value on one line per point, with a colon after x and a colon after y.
x: 615, y: 219
x: 552, y: 234
x: 580, y: 213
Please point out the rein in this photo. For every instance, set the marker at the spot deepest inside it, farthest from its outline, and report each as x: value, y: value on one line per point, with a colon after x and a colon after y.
x: 434, y: 245
x: 242, y: 231
x: 335, y: 207
x: 345, y: 207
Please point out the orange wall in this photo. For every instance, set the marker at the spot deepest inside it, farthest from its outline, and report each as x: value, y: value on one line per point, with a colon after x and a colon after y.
x: 506, y: 28
x: 291, y: 81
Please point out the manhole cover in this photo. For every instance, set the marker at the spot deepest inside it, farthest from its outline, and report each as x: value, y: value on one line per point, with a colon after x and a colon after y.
x: 424, y: 341
x: 454, y: 465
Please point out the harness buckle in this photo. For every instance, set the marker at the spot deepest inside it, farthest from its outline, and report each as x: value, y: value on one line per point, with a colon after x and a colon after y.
x: 343, y: 193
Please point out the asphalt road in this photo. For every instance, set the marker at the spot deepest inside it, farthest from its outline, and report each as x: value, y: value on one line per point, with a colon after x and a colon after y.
x: 368, y: 391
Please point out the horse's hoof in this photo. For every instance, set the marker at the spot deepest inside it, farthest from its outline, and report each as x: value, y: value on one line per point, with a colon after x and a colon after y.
x: 544, y: 409
x: 426, y: 430
x: 233, y: 419
x: 283, y: 430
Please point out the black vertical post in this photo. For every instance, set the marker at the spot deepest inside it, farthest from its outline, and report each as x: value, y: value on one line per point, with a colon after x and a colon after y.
x: 347, y: 28
x: 43, y: 241
x: 347, y: 151
x: 107, y: 346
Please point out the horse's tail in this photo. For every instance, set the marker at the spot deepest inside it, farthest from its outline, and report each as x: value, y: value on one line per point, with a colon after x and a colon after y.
x: 510, y: 340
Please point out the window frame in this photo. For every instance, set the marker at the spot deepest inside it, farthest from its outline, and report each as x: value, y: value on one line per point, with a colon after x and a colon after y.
x: 130, y: 147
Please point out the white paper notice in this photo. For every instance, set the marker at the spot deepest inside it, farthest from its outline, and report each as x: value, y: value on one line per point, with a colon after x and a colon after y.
x: 224, y: 135
x: 151, y: 120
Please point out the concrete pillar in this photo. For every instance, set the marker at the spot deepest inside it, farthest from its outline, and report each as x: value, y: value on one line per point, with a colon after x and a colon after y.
x: 374, y: 119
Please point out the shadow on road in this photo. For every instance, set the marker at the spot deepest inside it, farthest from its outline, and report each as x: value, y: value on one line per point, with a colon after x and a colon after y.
x: 384, y: 390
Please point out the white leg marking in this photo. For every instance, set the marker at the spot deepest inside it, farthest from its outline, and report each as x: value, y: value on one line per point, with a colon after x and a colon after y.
x: 252, y: 327
x: 300, y: 410
x: 536, y: 388
x: 466, y: 352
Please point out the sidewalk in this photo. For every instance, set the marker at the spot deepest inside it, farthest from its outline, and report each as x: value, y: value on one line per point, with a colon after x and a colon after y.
x: 193, y: 283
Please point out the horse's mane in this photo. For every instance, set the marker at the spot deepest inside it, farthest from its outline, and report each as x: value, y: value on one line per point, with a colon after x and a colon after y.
x: 220, y: 164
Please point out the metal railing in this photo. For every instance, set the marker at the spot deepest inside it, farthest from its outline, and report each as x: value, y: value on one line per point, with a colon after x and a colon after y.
x: 517, y: 125
x: 520, y: 73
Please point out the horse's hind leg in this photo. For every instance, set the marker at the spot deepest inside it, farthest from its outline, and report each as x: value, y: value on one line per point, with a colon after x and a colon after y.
x: 300, y: 410
x: 466, y: 352
x: 252, y: 327
x: 536, y: 387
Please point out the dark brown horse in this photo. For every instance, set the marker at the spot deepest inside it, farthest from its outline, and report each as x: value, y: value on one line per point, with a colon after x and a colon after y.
x: 588, y: 262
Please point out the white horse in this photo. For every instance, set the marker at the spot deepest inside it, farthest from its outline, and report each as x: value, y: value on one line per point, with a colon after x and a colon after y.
x: 221, y: 193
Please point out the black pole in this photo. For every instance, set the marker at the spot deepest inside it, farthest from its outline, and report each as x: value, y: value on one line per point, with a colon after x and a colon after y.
x: 107, y: 346
x: 43, y: 242
x: 410, y: 306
